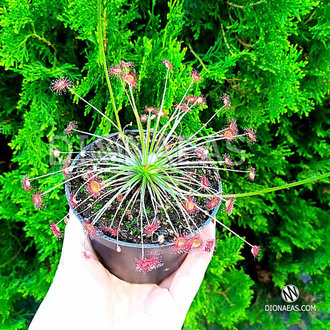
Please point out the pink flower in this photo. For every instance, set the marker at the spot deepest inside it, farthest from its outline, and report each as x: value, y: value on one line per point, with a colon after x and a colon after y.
x: 115, y: 71
x: 201, y: 100
x: 161, y: 114
x: 148, y: 264
x: 72, y: 126
x: 202, y: 152
x: 197, y: 100
x: 150, y: 229
x: 228, y: 161
x: 182, y: 107
x: 190, y: 99
x: 65, y: 171
x: 120, y: 197
x: 251, y: 135
x: 195, y: 243
x: 181, y: 244
x: 90, y: 229
x: 252, y: 174
x: 255, y: 251
x: 150, y: 109
x: 205, y: 182
x: 73, y: 201
x: 26, y: 183
x: 55, y: 230
x: 61, y: 85
x: 67, y: 161
x: 87, y: 254
x: 209, y: 245
x: 212, y: 203
x: 229, y: 135
x: 94, y: 187
x: 226, y: 100
x: 111, y: 231
x: 131, y: 79
x: 190, y: 205
x: 195, y: 75
x: 144, y: 118
x: 37, y: 200
x: 56, y: 153
x: 230, y: 205
x: 168, y: 64
x: 232, y: 126
x: 123, y: 64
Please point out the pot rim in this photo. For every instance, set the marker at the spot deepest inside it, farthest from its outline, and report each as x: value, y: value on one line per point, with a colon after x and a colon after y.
x: 134, y: 245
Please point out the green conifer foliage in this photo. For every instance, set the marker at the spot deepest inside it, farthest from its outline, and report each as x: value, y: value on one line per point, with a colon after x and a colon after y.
x: 271, y: 57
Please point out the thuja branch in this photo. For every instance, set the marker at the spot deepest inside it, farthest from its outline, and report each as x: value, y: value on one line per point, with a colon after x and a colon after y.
x: 285, y: 186
x: 225, y: 39
x: 198, y: 58
x: 250, y: 5
x: 16, y: 254
x: 35, y: 35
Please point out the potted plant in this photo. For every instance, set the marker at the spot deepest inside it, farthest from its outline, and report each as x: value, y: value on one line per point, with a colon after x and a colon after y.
x: 144, y: 195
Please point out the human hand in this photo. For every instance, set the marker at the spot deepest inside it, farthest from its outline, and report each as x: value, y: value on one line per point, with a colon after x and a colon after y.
x: 84, y: 295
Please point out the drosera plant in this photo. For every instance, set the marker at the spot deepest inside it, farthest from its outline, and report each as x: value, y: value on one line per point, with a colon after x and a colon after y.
x: 150, y: 185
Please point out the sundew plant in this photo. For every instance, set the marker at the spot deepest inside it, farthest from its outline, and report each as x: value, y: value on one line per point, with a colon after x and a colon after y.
x: 150, y: 185
x: 270, y: 57
x: 154, y: 177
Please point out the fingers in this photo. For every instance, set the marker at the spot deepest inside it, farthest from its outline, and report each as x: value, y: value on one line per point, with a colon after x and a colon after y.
x: 185, y: 282
x: 75, y: 243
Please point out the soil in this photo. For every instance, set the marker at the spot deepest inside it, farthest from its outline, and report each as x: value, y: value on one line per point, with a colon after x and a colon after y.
x: 130, y: 226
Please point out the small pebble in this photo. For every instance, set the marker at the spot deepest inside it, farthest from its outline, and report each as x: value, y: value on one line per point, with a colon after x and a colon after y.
x: 161, y: 239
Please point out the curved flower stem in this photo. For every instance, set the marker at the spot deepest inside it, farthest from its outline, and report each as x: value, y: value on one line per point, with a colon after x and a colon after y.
x: 160, y: 110
x: 174, y: 114
x: 104, y: 62
x: 139, y: 124
x: 92, y: 106
x: 223, y: 225
x: 285, y: 186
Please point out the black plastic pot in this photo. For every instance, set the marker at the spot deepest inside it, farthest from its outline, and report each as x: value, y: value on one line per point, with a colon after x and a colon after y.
x: 122, y: 264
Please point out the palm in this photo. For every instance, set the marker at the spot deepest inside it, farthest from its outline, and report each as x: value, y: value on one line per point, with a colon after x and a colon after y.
x: 85, y: 295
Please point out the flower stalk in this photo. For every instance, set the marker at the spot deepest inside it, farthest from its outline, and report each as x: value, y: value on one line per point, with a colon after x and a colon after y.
x: 285, y: 186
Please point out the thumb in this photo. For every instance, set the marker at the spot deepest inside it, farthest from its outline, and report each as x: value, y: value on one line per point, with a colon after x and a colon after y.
x: 76, y: 242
